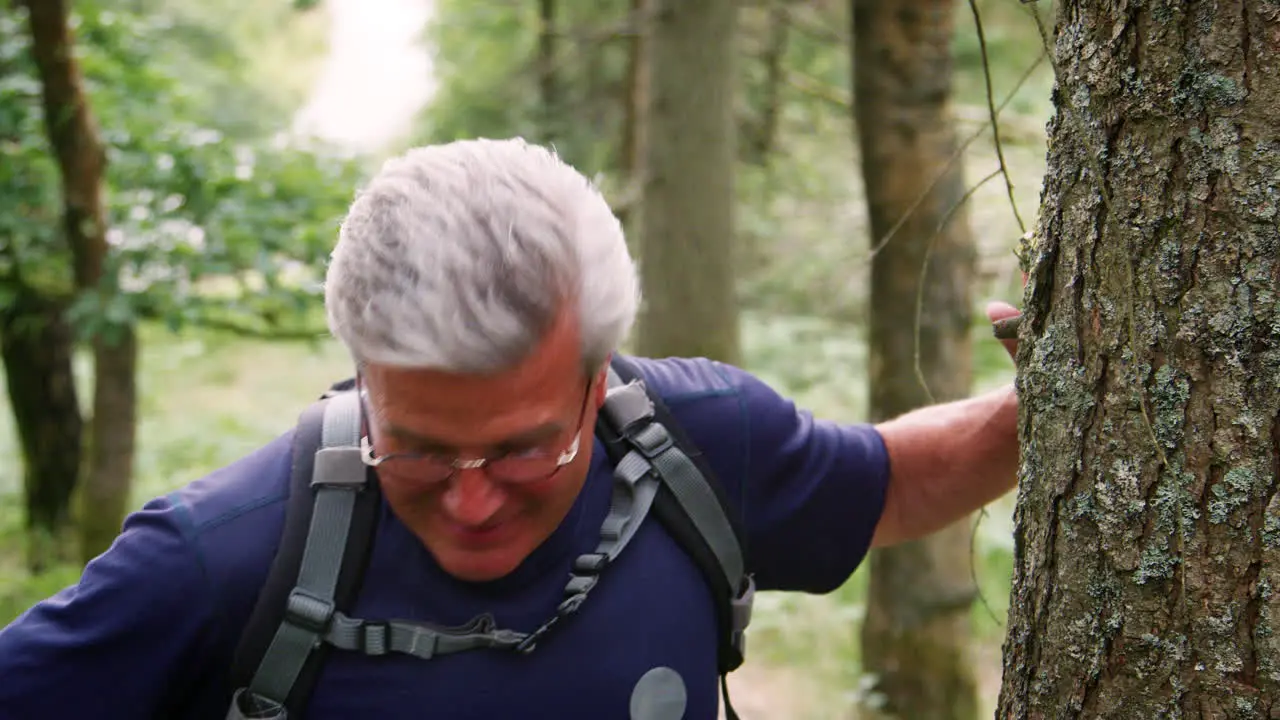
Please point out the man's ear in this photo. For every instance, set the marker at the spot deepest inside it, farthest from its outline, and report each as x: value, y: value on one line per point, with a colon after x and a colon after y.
x: 602, y: 382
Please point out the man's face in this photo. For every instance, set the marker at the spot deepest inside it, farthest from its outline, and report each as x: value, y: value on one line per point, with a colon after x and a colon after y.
x: 482, y: 522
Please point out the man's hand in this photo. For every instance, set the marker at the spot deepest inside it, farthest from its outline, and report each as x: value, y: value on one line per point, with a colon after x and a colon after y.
x: 1005, y: 317
x: 950, y: 459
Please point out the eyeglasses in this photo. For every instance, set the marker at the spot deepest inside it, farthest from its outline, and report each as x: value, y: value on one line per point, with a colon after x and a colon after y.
x: 522, y: 467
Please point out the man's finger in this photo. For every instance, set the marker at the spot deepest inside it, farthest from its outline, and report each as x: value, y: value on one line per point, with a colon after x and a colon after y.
x: 1007, y: 328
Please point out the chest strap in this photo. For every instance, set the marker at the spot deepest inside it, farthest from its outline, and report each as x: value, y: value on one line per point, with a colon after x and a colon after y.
x: 649, y: 459
x: 312, y: 618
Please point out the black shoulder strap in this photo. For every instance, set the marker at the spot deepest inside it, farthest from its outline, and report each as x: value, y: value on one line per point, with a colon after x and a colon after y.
x: 268, y: 611
x: 733, y: 603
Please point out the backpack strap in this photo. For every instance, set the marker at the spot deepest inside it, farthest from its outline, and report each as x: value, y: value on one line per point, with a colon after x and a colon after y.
x: 330, y: 522
x: 691, y: 503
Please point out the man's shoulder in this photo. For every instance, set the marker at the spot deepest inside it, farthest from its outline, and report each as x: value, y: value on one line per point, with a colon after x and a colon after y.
x: 681, y: 379
x: 232, y: 518
x: 244, y: 491
x: 710, y: 401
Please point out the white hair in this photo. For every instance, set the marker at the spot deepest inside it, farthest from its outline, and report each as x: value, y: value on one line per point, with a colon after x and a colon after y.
x: 459, y: 257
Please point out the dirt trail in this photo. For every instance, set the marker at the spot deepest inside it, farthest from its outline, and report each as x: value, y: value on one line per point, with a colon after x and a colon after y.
x: 763, y: 692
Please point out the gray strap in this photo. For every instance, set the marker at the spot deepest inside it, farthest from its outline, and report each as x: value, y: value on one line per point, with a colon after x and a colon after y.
x: 417, y: 639
x: 633, y: 491
x: 337, y: 476
x: 629, y: 403
x: 246, y: 706
x: 698, y: 499
x: 626, y: 403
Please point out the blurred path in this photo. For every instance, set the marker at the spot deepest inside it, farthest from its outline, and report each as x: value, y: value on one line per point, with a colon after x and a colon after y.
x: 376, y: 77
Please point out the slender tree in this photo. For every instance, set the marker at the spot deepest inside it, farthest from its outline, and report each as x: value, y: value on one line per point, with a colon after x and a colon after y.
x: 73, y: 135
x: 687, y: 210
x: 916, y: 635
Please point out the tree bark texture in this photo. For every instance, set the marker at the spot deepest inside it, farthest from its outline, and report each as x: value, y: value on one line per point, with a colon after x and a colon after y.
x: 916, y: 634
x: 1147, y: 558
x: 81, y: 160
x: 687, y: 213
x: 37, y: 345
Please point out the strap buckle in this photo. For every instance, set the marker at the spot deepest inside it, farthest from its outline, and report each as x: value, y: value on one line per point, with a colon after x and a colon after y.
x: 375, y: 637
x: 740, y: 614
x: 590, y: 563
x: 308, y: 612
x: 651, y: 440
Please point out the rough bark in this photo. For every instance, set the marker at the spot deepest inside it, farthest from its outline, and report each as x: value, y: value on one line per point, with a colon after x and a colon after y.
x: 916, y: 634
x: 37, y: 344
x: 73, y: 135
x: 687, y: 216
x: 1147, y: 555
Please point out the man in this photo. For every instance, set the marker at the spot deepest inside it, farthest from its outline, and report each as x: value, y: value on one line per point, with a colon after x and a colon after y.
x: 482, y: 288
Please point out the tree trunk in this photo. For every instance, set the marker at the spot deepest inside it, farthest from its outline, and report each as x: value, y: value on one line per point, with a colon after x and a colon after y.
x: 111, y: 446
x: 73, y: 134
x: 916, y: 635
x: 37, y: 346
x: 1147, y: 555
x: 635, y: 108
x: 763, y: 121
x: 687, y: 215
x: 548, y: 86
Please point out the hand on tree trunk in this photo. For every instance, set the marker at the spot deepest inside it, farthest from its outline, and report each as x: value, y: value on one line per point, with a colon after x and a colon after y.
x: 1005, y: 319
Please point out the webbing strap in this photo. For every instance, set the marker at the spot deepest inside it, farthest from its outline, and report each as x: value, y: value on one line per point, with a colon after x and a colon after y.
x: 652, y: 458
x: 631, y: 404
x: 337, y: 477
x: 695, y: 496
x: 634, y: 488
x: 418, y: 639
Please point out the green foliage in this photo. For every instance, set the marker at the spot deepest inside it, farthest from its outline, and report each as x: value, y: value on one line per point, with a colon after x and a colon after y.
x: 217, y: 224
x: 29, y: 196
x: 801, y: 229
x: 486, y: 63
x: 203, y: 227
x: 482, y: 54
x: 1013, y: 42
x: 219, y: 49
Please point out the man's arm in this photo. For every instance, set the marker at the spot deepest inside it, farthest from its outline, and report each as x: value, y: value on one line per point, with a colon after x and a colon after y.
x: 126, y: 641
x: 947, y: 461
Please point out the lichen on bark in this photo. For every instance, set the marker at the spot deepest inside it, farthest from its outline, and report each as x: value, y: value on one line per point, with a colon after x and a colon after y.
x: 1147, y: 548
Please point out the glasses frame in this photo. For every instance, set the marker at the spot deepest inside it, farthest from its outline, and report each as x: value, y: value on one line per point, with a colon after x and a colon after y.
x: 370, y: 459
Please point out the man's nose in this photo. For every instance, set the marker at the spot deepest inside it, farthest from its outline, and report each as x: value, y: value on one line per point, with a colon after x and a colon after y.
x: 472, y: 498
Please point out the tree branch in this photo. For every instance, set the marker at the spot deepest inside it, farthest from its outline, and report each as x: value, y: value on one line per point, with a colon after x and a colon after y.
x: 73, y: 135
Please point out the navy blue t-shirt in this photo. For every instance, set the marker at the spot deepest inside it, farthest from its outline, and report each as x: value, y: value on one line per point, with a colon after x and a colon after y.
x: 150, y: 629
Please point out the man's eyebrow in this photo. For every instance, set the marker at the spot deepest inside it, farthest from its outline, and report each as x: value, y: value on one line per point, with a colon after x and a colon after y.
x: 523, y: 439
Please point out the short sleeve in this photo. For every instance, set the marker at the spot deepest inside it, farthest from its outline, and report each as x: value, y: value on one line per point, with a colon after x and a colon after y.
x: 126, y: 641
x: 813, y: 490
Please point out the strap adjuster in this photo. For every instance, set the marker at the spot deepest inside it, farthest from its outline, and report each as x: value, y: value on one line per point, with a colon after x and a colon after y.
x: 308, y: 611
x: 375, y: 637
x: 651, y: 440
x: 740, y: 617
x: 571, y: 605
x: 591, y: 563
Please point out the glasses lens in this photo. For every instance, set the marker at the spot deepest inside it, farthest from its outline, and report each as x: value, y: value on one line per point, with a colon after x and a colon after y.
x: 522, y: 469
x: 419, y: 469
